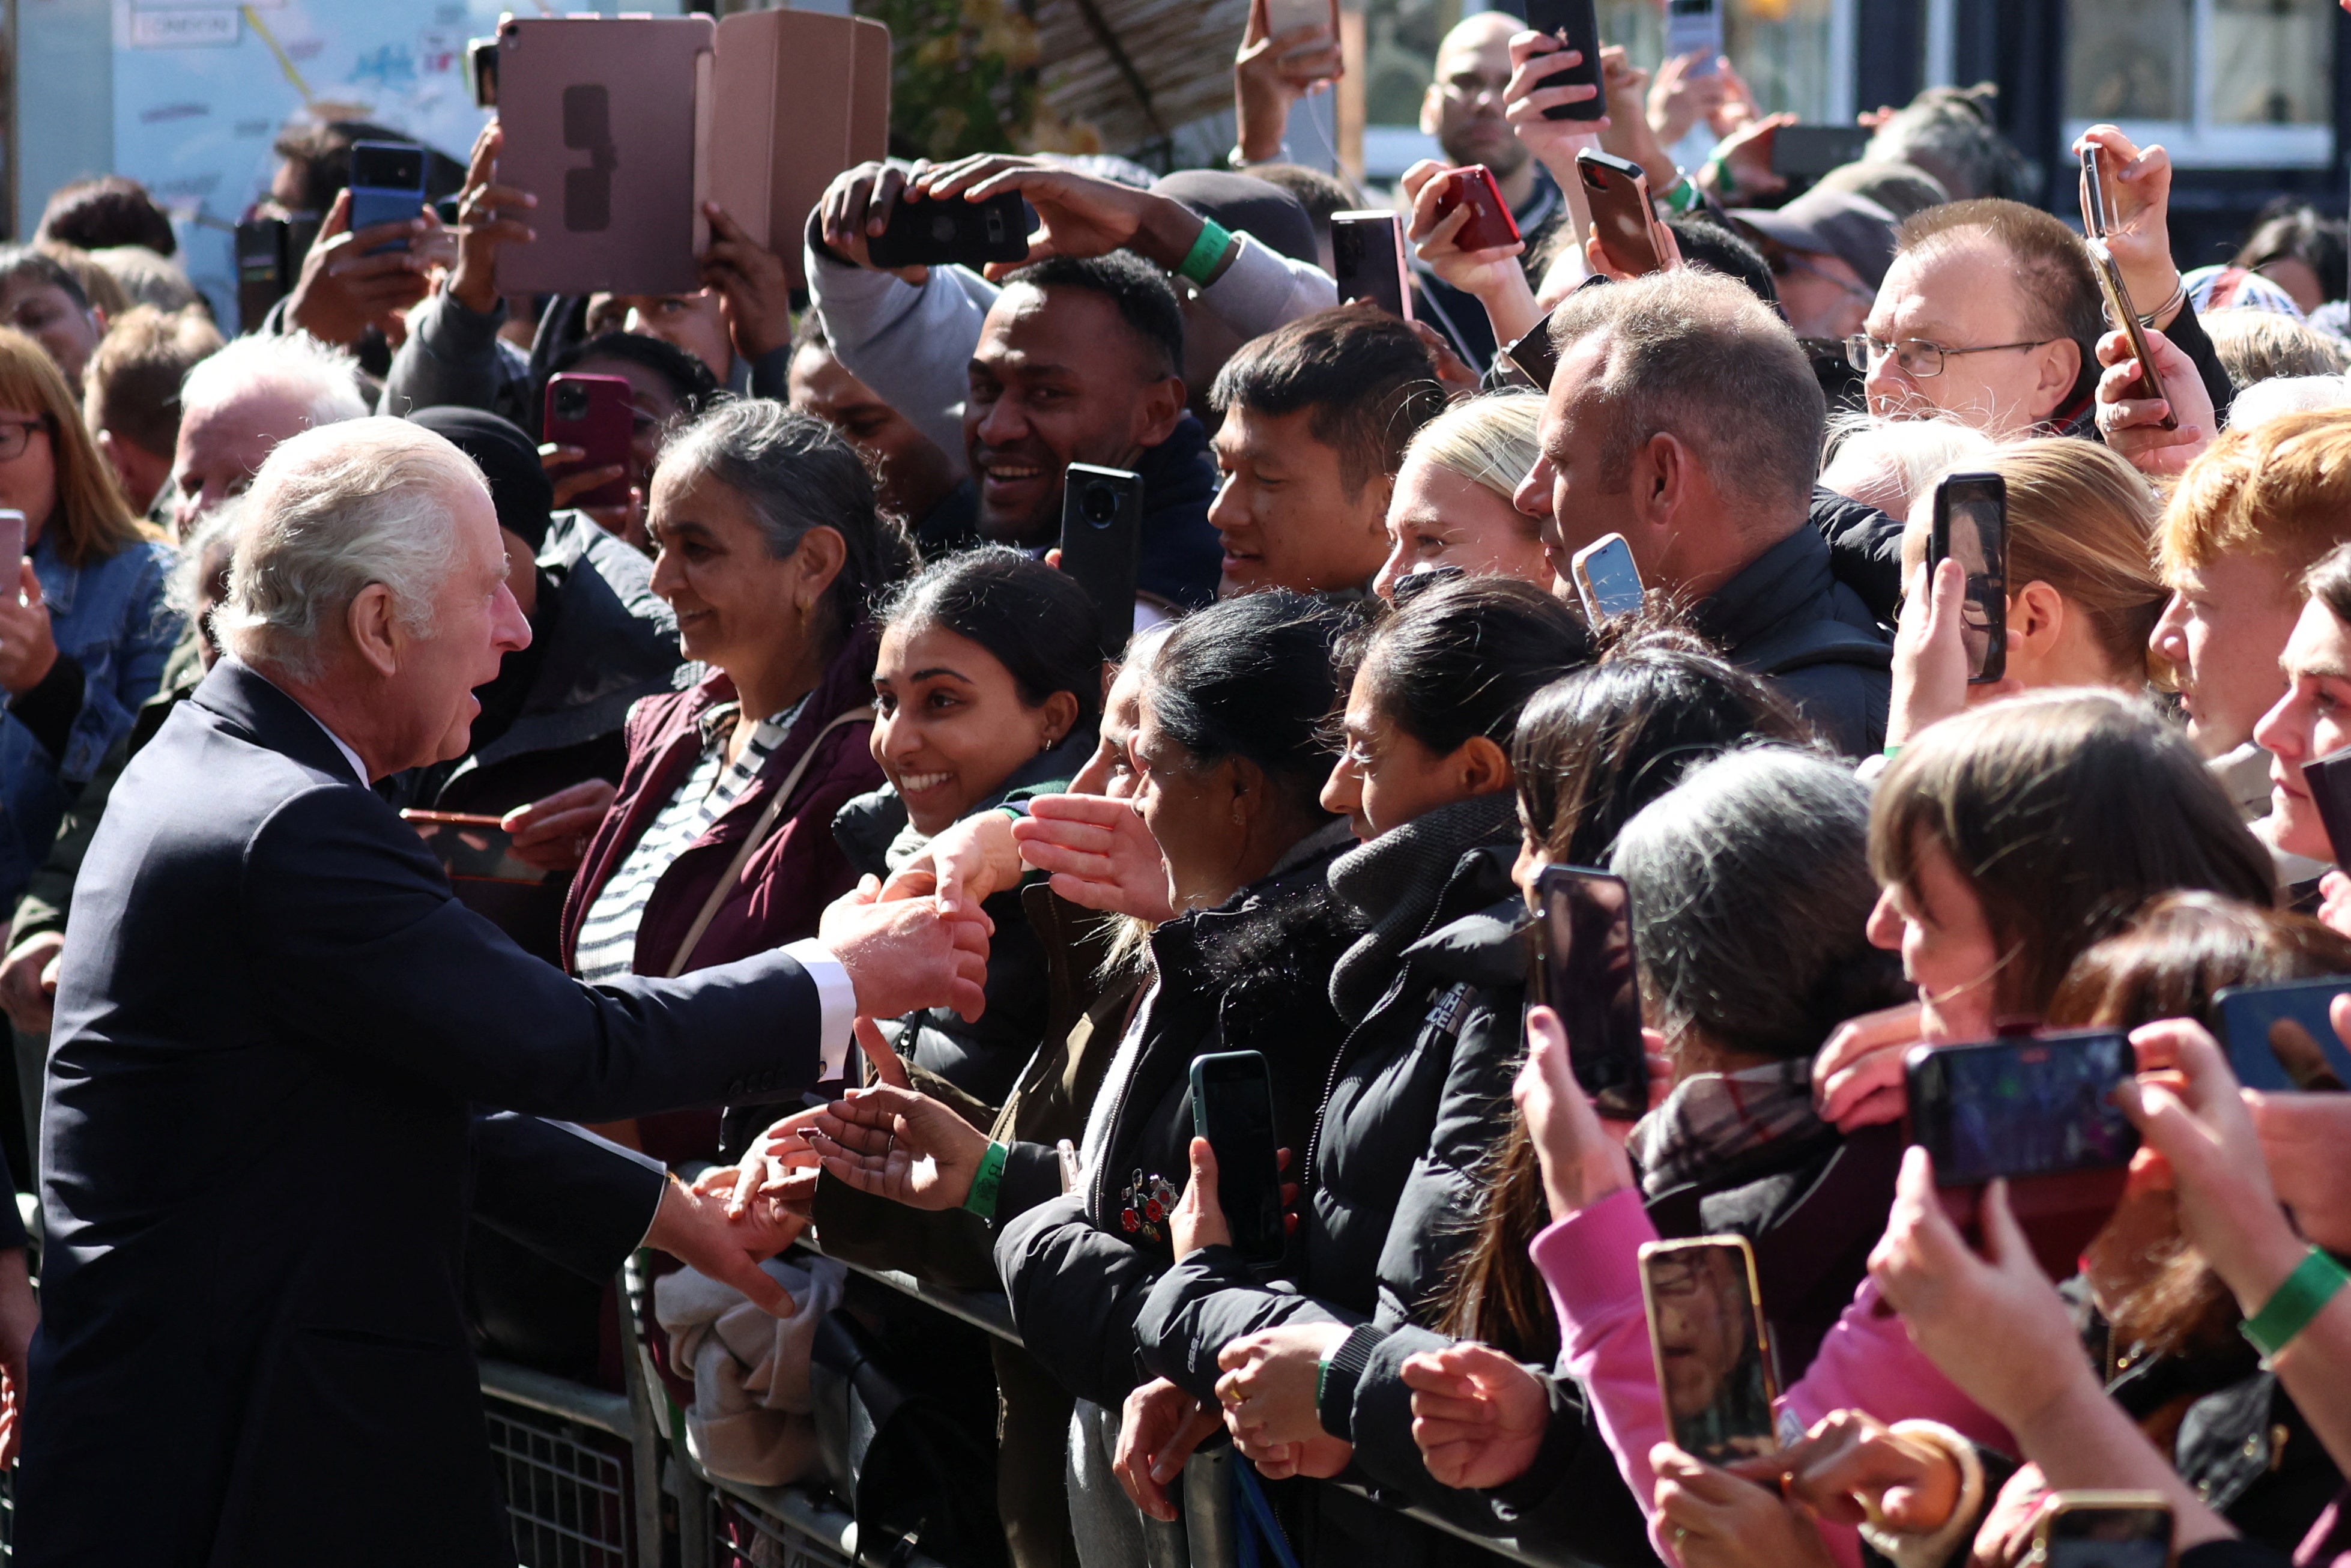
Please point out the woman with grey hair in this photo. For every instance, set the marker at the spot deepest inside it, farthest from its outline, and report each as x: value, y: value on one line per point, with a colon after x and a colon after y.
x: 771, y: 551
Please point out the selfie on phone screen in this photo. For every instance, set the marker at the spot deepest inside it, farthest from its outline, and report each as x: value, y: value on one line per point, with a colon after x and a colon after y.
x: 1713, y: 1373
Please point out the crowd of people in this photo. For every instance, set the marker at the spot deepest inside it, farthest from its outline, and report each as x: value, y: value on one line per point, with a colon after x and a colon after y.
x: 857, y: 909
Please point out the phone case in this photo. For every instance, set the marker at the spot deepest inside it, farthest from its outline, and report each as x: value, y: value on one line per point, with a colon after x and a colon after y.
x: 600, y: 117
x: 470, y: 851
x: 1618, y: 194
x: 1604, y: 601
x: 12, y: 546
x: 799, y: 95
x: 1994, y: 607
x: 1575, y: 22
x: 1259, y: 1239
x: 2120, y: 313
x: 1534, y: 355
x: 1491, y: 224
x: 2280, y: 1037
x: 1809, y: 151
x: 1733, y: 1420
x: 1288, y: 15
x: 941, y: 233
x: 2329, y: 778
x: 1367, y: 251
x: 1102, y: 543
x: 602, y: 431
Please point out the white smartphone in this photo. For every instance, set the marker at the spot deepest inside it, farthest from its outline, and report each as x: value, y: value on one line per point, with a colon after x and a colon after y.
x: 1288, y: 15
x: 1694, y: 27
x: 12, y: 544
x: 1607, y: 581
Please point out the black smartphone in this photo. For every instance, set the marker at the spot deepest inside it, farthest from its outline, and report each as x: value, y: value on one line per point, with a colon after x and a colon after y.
x: 2329, y: 780
x: 387, y: 186
x: 2032, y: 1105
x: 1584, y: 973
x: 1102, y: 543
x: 1618, y: 194
x: 471, y: 847
x: 1576, y: 24
x: 1534, y: 354
x: 269, y: 252
x: 1809, y: 151
x: 2280, y: 1037
x: 1232, y: 1107
x: 2088, y: 1528
x: 952, y: 232
x: 1367, y: 256
x: 1713, y: 1354
x: 1970, y: 527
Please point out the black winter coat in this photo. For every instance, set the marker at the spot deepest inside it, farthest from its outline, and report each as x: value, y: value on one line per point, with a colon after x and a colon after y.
x: 1418, y: 1094
x: 1250, y: 975
x: 1787, y: 618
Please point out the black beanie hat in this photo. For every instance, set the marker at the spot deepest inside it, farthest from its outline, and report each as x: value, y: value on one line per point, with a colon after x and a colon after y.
x: 520, y: 487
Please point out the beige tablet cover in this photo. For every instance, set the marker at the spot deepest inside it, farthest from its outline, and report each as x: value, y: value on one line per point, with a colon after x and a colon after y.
x: 602, y: 117
x: 801, y: 96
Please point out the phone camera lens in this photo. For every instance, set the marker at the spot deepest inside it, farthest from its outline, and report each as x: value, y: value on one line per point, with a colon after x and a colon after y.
x: 1098, y: 504
x: 943, y: 228
x: 570, y: 402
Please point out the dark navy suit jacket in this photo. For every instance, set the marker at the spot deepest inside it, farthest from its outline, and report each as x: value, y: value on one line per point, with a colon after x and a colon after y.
x: 276, y: 1032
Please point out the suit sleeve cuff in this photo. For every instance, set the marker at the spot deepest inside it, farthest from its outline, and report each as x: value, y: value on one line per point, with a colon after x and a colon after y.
x: 837, y: 1000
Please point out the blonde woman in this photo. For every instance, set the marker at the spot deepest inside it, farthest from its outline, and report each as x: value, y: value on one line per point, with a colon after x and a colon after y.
x: 84, y: 628
x: 2083, y: 594
x: 1452, y: 506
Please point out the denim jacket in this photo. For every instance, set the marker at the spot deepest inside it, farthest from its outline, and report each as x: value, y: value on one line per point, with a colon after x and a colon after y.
x: 110, y: 617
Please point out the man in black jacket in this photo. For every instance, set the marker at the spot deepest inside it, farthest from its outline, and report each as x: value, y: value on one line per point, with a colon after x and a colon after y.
x: 1685, y: 417
x: 263, y: 1128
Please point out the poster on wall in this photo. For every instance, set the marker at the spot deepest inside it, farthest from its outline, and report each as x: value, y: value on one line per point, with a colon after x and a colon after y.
x: 202, y: 90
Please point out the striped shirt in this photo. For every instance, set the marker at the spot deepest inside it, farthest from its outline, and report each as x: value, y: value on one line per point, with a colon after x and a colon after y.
x: 608, y: 937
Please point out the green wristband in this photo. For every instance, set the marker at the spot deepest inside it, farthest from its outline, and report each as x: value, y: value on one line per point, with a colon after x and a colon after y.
x: 2303, y: 1295
x: 1199, y: 263
x: 1680, y: 196
x: 981, y: 1199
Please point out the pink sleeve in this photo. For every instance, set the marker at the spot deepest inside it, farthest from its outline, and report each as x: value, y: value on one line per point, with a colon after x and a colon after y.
x: 1866, y: 1361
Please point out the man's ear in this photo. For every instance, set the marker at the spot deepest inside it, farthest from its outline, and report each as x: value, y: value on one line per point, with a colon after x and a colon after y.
x: 1157, y: 412
x: 2061, y: 364
x: 1662, y: 473
x: 1430, y: 110
x: 372, y: 624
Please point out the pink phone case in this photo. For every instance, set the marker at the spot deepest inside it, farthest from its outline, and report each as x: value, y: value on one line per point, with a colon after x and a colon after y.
x: 1491, y: 224
x: 602, y: 431
x: 601, y: 118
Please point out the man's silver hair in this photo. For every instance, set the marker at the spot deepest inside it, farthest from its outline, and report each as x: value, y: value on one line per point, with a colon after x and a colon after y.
x: 332, y: 511
x: 323, y: 379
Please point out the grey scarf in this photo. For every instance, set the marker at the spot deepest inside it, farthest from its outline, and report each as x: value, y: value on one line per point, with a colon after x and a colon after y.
x: 1395, y: 882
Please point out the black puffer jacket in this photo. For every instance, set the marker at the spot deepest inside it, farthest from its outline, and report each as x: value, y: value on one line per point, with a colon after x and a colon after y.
x: 1787, y: 618
x: 1249, y: 974
x: 1418, y: 1094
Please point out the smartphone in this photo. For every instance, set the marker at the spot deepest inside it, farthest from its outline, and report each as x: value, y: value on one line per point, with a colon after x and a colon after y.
x: 1368, y: 255
x: 269, y: 252
x: 1605, y: 579
x: 1694, y: 27
x: 2032, y: 1105
x: 2329, y: 778
x: 1288, y: 15
x: 952, y: 232
x: 1535, y: 355
x: 2279, y: 1037
x: 1584, y: 973
x: 2102, y: 1529
x: 2116, y: 294
x: 1491, y: 224
x: 1972, y: 526
x: 1576, y: 24
x: 1618, y: 195
x: 387, y: 185
x: 471, y: 848
x: 482, y: 71
x: 12, y: 548
x: 1713, y: 1354
x: 1809, y: 151
x: 1102, y: 543
x: 1232, y: 1107
x: 595, y: 415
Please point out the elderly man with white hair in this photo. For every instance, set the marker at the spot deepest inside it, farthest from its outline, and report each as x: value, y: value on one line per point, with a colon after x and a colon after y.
x: 277, y: 1042
x: 237, y: 404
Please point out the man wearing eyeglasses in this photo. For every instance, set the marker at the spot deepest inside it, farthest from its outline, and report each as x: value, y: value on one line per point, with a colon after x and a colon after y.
x: 1989, y: 315
x: 1829, y: 252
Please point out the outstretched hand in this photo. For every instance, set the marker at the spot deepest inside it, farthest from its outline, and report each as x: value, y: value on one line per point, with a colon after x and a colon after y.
x: 2134, y: 426
x: 899, y: 1145
x: 908, y: 954
x: 1099, y: 854
x: 693, y: 1226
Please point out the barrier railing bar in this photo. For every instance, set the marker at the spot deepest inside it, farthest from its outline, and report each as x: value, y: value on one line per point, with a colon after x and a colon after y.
x: 553, y: 1396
